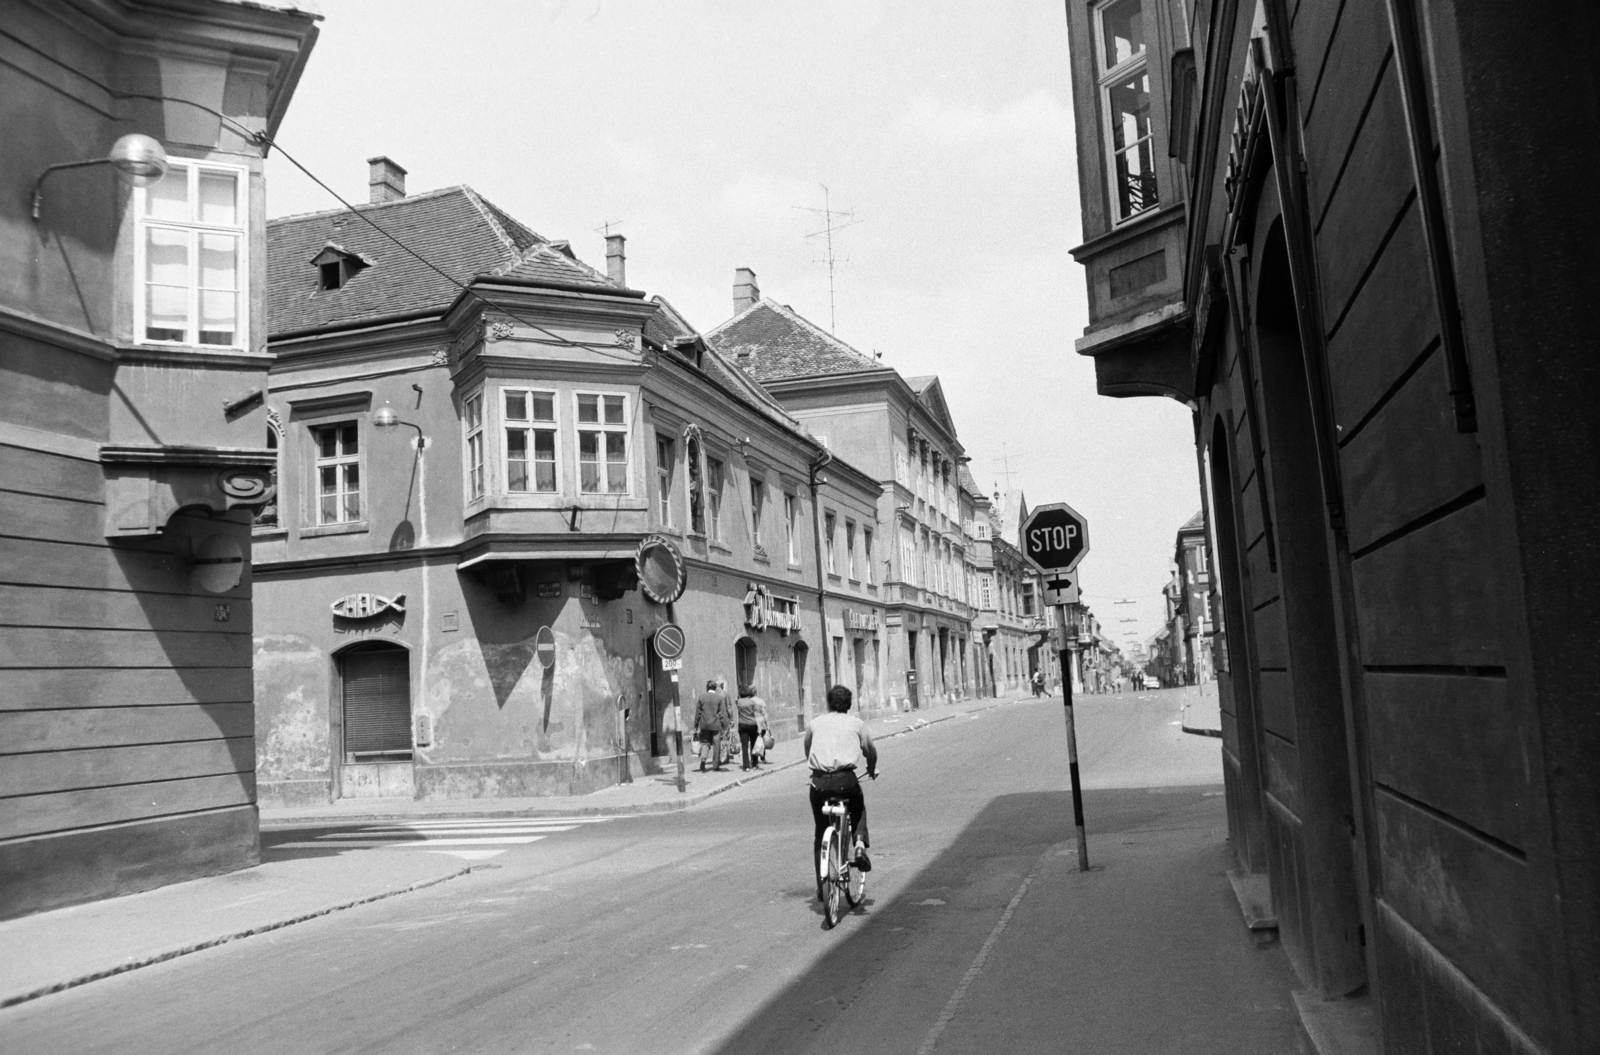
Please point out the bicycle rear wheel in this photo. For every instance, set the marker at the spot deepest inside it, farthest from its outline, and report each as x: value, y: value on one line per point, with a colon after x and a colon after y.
x: 832, y: 875
x: 855, y: 886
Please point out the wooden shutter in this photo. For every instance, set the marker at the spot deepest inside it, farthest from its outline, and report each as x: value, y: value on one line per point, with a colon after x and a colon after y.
x: 377, y: 700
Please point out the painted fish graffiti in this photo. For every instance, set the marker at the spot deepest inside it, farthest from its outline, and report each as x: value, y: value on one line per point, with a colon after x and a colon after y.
x: 367, y: 605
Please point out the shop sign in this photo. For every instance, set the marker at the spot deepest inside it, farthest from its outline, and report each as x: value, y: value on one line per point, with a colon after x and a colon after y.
x: 367, y: 605
x: 856, y: 619
x: 763, y: 610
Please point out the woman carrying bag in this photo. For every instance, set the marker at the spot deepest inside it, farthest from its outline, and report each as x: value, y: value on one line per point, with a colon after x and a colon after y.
x: 752, y: 726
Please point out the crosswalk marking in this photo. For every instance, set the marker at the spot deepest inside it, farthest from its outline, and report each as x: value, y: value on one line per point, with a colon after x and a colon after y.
x: 435, y: 836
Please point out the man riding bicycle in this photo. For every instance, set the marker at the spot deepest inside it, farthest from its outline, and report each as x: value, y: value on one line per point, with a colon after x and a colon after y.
x: 834, y: 743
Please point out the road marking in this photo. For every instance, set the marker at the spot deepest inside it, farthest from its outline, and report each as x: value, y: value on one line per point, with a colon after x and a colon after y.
x: 351, y: 844
x: 452, y: 837
x: 971, y: 976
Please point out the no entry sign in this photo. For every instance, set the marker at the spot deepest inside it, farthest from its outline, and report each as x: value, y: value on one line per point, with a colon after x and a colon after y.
x: 1055, y: 538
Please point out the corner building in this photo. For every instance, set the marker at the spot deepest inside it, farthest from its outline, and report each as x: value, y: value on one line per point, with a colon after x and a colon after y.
x: 1345, y: 235
x: 470, y: 466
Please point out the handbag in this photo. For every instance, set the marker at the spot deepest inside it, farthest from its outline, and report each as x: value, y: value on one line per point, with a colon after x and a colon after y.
x: 766, y: 739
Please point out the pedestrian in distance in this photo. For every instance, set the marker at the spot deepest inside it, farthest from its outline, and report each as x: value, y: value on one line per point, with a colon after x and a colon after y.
x: 1038, y: 683
x: 752, y: 723
x: 710, y: 719
x: 728, y: 739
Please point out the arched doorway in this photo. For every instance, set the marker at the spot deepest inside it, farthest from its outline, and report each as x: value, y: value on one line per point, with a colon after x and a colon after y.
x: 375, y: 722
x: 744, y: 663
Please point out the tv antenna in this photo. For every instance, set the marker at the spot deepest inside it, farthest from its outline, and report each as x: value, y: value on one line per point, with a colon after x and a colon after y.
x: 1005, y: 467
x: 605, y: 228
x: 830, y: 223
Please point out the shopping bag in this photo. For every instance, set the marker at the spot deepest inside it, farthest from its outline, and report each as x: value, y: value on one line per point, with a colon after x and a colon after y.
x: 766, y: 741
x: 694, y: 747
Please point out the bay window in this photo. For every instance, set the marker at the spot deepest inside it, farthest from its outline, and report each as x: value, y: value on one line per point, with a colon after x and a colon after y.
x: 530, y: 434
x: 602, y: 444
x: 1124, y: 81
x: 190, y: 257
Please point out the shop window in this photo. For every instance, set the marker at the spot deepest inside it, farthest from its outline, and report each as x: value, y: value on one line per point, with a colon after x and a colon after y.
x: 338, y: 471
x: 1124, y: 79
x: 377, y: 704
x: 602, y: 444
x: 530, y: 431
x: 190, y: 257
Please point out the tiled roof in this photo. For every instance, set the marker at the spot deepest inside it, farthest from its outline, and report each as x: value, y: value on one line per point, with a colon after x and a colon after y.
x: 772, y: 343
x: 967, y: 482
x: 453, y: 229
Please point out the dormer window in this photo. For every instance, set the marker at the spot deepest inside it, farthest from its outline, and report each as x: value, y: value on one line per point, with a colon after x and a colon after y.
x: 336, y: 266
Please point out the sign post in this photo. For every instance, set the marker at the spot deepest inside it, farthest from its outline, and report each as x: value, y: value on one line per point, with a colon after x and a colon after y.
x: 1054, y: 539
x: 669, y: 641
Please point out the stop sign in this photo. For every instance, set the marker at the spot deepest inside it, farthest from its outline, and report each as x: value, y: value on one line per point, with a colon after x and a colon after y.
x: 1055, y: 538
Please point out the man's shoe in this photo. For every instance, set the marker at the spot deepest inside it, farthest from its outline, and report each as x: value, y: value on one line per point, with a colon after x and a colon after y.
x: 863, y: 862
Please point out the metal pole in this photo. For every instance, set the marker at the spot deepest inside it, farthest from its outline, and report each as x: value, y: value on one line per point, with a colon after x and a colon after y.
x: 1072, y: 747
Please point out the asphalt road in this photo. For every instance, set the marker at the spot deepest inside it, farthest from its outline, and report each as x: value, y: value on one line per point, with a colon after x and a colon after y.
x: 699, y: 931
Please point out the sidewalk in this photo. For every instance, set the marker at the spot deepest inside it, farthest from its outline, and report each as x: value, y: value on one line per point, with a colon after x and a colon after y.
x: 1202, y: 709
x: 71, y: 946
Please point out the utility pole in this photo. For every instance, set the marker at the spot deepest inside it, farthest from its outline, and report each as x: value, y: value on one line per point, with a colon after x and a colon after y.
x: 829, y: 215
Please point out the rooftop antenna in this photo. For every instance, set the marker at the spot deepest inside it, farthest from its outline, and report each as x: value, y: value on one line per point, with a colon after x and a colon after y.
x: 605, y: 228
x: 1005, y: 467
x: 830, y: 217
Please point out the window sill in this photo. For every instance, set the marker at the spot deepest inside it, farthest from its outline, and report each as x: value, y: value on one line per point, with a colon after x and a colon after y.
x: 721, y: 547
x: 355, y: 527
x: 269, y: 533
x: 834, y: 577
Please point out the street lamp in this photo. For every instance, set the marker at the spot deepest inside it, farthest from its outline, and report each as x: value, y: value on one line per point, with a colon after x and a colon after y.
x: 139, y: 159
x: 385, y: 418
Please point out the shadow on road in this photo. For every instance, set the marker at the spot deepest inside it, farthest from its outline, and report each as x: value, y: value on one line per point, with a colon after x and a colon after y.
x: 895, y: 963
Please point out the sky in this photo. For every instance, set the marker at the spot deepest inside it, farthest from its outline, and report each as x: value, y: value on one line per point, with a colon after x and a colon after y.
x: 706, y: 130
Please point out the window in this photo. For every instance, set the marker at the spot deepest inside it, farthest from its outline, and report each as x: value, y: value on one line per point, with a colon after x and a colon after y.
x: 472, y: 420
x: 791, y: 522
x: 268, y: 516
x: 866, y: 553
x: 1124, y: 78
x: 850, y: 550
x: 530, y: 422
x: 714, y: 498
x: 758, y: 498
x: 986, y: 590
x: 828, y: 524
x: 697, y: 485
x: 190, y: 257
x: 664, y: 480
x: 338, y: 473
x: 602, y: 444
x: 1027, y: 599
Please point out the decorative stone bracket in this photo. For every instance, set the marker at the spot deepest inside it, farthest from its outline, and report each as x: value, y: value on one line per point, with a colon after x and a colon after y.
x: 147, y: 483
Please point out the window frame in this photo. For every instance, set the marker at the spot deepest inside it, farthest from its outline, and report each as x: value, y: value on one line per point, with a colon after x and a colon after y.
x: 473, y: 447
x: 318, y: 463
x: 194, y: 228
x: 1105, y: 80
x: 665, y: 470
x: 714, y: 497
x: 758, y: 507
x: 850, y: 568
x: 866, y: 552
x: 830, y: 531
x: 625, y: 429
x: 530, y: 425
x: 791, y: 525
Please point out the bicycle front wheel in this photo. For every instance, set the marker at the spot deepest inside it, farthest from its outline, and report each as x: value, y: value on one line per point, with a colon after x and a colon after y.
x: 855, y: 886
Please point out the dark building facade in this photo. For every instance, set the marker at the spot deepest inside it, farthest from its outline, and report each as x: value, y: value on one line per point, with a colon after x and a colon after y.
x: 1381, y: 271
x: 132, y: 371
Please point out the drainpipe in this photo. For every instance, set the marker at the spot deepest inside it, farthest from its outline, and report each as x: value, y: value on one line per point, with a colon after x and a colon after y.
x: 817, y: 465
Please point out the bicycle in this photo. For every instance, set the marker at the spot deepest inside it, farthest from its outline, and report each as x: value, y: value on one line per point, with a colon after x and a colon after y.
x: 836, y: 864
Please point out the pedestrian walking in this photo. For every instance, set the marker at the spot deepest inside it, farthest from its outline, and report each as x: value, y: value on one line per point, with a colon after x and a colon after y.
x: 711, y: 720
x: 752, y: 724
x: 728, y: 739
x: 1038, y: 683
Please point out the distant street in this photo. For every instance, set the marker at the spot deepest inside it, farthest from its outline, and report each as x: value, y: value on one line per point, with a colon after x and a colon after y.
x: 699, y: 932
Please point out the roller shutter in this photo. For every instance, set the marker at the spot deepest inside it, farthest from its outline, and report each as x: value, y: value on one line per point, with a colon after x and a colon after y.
x: 377, y: 701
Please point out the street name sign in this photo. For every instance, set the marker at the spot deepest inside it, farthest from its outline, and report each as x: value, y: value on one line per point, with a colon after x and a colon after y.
x: 1055, y: 538
x: 1061, y: 589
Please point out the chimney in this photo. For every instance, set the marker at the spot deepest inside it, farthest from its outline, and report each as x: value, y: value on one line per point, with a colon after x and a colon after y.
x: 616, y: 259
x: 386, y: 181
x: 745, y: 290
